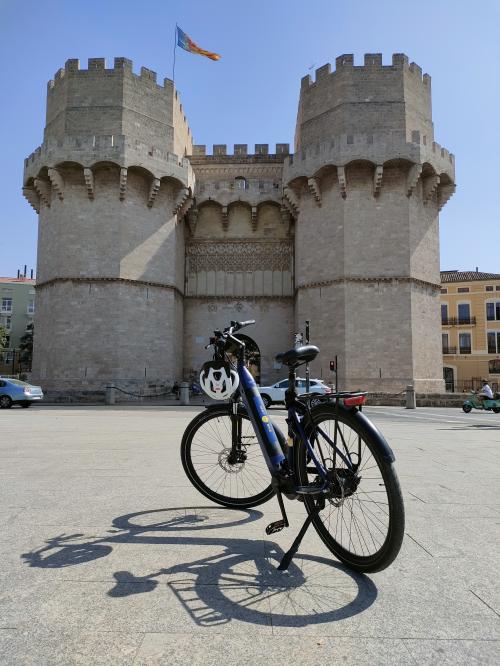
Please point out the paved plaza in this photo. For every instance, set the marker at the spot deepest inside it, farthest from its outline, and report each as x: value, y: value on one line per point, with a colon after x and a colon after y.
x: 109, y: 556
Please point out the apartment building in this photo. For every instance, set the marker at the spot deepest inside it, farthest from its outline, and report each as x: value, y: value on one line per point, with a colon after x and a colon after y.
x: 470, y: 319
x: 17, y: 311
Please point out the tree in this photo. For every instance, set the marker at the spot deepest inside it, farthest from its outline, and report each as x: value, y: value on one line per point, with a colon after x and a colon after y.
x: 3, y: 337
x: 26, y: 348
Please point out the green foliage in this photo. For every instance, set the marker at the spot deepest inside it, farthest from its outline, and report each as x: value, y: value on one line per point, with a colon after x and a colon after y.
x: 26, y: 348
x: 3, y: 337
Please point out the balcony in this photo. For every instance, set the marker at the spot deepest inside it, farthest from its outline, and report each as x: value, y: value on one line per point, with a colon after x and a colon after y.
x: 458, y: 321
x: 465, y: 350
x: 449, y: 350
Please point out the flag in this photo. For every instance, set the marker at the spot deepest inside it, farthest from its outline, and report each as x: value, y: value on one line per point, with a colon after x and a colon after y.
x: 186, y: 43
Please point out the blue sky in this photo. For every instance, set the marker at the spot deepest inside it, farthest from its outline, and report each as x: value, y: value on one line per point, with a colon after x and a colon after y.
x: 251, y: 95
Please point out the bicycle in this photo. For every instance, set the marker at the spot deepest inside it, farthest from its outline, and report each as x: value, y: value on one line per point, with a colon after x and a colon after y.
x: 333, y: 459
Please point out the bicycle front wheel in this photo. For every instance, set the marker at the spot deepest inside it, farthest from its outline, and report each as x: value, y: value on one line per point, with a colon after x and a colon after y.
x: 207, y: 453
x: 362, y: 522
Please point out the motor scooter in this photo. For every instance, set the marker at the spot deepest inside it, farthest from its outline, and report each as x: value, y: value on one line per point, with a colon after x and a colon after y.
x: 473, y: 402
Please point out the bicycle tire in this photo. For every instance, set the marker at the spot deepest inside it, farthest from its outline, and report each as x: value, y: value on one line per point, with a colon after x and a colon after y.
x: 253, y: 473
x: 364, y: 504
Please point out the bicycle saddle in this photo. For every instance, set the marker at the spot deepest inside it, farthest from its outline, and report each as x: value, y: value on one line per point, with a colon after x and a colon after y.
x: 298, y: 355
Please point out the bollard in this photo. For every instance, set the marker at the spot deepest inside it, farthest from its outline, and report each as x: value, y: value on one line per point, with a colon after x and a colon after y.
x: 411, y: 401
x: 184, y: 393
x: 110, y: 395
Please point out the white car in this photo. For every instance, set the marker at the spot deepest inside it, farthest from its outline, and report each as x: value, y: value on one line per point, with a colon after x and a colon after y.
x: 276, y: 392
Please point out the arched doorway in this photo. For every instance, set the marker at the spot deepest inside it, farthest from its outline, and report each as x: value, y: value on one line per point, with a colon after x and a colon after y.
x: 252, y: 355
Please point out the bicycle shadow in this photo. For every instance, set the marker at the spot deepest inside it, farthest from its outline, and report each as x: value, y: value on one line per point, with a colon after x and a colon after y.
x: 231, y: 582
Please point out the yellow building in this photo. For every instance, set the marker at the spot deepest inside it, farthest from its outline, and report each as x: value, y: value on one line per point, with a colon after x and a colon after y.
x: 470, y: 318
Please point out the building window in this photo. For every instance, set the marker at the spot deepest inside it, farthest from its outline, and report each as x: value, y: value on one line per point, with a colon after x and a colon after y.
x: 494, y: 366
x: 493, y: 311
x: 444, y: 291
x: 463, y: 313
x: 444, y: 313
x: 463, y: 290
x: 464, y: 343
x: 8, y: 323
x: 240, y: 183
x: 6, y: 304
x: 445, y: 343
x: 31, y: 306
x: 497, y: 287
x: 489, y: 288
x: 493, y: 342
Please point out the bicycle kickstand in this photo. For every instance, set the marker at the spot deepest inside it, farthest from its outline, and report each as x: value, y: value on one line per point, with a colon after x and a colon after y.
x: 288, y: 556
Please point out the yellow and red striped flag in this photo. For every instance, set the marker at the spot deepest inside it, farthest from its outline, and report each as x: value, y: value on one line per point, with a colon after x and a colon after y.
x: 186, y: 43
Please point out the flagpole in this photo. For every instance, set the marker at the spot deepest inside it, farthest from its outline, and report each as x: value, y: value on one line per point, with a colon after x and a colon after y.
x: 175, y: 46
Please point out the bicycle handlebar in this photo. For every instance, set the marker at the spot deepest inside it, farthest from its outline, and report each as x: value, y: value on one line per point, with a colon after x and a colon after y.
x: 229, y: 330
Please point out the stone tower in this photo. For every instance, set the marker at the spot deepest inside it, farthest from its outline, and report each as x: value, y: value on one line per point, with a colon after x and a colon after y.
x: 365, y: 185
x: 109, y: 183
x: 147, y: 243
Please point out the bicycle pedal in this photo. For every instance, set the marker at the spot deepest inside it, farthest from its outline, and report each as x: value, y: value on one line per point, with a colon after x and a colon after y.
x: 277, y: 526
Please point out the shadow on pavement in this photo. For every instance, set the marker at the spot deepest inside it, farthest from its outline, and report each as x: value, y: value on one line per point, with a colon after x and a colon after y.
x: 230, y: 583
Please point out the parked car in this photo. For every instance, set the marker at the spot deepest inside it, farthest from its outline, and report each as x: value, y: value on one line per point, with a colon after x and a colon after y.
x: 14, y: 391
x: 276, y: 392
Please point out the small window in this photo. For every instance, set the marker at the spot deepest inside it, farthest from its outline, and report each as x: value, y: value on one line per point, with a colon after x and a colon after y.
x: 8, y: 323
x: 31, y: 306
x: 490, y: 288
x: 444, y: 291
x: 6, y: 304
x: 464, y: 343
x: 463, y: 313
x: 494, y: 366
x: 492, y: 342
x: 240, y: 183
x: 444, y: 313
x: 497, y: 287
x: 463, y: 290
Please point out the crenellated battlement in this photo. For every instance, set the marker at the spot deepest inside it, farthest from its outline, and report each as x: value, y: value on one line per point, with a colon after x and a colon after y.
x: 372, y: 62
x: 369, y: 97
x: 98, y: 66
x: 124, y: 151
x: 240, y: 150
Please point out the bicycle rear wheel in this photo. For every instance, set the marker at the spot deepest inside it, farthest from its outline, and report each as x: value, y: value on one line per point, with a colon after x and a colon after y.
x: 362, y: 522
x: 206, y: 457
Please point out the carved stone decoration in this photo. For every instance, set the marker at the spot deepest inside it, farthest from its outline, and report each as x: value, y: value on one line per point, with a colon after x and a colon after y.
x: 314, y: 189
x: 182, y: 195
x: 254, y: 218
x: 32, y: 197
x: 89, y: 182
x: 188, y: 203
x: 291, y: 200
x: 239, y: 256
x: 377, y: 180
x: 123, y: 183
x: 430, y: 186
x: 412, y: 178
x: 192, y: 220
x: 153, y: 191
x: 57, y: 182
x: 43, y: 189
x: 342, y: 181
x: 225, y: 218
x: 445, y: 192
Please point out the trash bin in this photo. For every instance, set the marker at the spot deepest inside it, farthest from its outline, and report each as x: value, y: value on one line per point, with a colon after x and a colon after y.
x: 411, y: 401
x: 184, y: 393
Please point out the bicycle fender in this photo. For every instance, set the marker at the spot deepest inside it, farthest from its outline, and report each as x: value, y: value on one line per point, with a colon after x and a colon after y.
x: 377, y: 436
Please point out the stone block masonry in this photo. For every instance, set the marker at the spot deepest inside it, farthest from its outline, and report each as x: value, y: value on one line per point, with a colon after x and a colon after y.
x: 148, y: 242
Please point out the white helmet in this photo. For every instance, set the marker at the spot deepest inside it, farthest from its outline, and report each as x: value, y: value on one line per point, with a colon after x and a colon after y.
x: 218, y: 380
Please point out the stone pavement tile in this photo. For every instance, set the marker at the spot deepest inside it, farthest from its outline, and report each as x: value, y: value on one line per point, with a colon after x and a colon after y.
x: 444, y: 511
x: 454, y: 653
x: 177, y: 649
x: 412, y: 608
x: 138, y: 607
x: 35, y: 647
x: 441, y: 537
